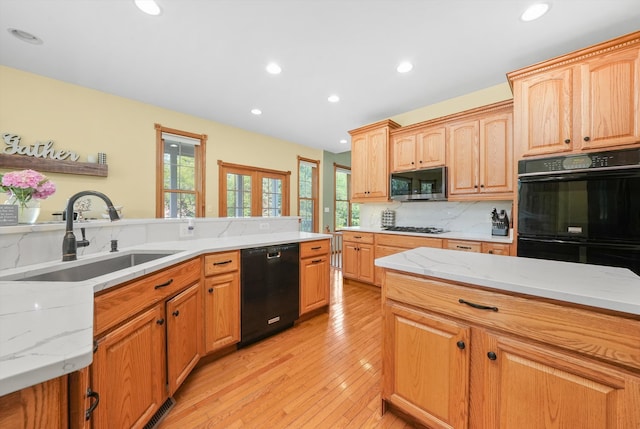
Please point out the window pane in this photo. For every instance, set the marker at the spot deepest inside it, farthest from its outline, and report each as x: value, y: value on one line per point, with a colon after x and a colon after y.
x: 238, y: 195
x: 342, y: 191
x: 179, y: 166
x: 306, y: 181
x: 271, y: 197
x: 342, y: 214
x: 306, y: 213
x: 355, y: 214
x: 179, y: 205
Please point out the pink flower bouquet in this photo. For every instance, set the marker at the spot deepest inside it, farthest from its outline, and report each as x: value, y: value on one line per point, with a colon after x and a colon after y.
x: 27, y: 184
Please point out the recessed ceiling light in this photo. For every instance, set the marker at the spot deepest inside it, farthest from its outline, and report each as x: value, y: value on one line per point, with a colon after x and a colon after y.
x: 274, y: 68
x: 404, y: 67
x: 343, y: 141
x: 534, y: 11
x: 333, y: 98
x: 150, y: 7
x: 25, y: 37
x: 256, y: 112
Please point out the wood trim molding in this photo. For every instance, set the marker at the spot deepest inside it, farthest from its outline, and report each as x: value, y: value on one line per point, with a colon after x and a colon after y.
x: 54, y: 165
x: 386, y: 123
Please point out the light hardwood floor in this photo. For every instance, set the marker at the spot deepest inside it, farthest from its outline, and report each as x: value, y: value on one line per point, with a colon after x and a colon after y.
x: 322, y: 373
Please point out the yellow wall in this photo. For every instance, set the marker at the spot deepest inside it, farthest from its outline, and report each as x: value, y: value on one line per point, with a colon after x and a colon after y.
x: 472, y: 100
x: 87, y: 122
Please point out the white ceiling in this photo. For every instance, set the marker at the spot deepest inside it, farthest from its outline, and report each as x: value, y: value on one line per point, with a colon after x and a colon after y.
x: 207, y: 58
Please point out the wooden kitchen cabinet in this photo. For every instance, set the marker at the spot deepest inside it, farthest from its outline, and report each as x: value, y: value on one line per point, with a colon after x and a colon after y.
x: 314, y: 275
x: 583, y: 101
x: 390, y: 244
x: 370, y: 162
x: 221, y: 300
x: 426, y: 366
x: 184, y: 335
x: 529, y: 362
x: 416, y: 148
x: 41, y: 406
x: 496, y: 248
x: 480, y: 153
x: 129, y: 369
x: 358, y: 256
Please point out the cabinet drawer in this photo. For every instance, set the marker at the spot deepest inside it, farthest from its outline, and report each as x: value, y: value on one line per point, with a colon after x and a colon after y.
x: 496, y: 249
x: 358, y: 237
x: 117, y: 305
x: 314, y: 248
x: 466, y: 246
x: 223, y: 262
x: 604, y: 336
x: 407, y: 241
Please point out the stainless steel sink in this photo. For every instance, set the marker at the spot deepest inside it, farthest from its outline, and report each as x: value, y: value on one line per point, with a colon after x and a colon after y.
x: 80, y: 272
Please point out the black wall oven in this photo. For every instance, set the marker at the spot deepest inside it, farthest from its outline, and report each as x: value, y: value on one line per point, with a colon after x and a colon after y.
x: 581, y: 208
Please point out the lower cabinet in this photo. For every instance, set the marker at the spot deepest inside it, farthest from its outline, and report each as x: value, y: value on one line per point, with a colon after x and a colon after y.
x: 514, y: 363
x: 358, y: 256
x: 128, y: 371
x: 314, y: 275
x: 41, y: 406
x: 221, y: 300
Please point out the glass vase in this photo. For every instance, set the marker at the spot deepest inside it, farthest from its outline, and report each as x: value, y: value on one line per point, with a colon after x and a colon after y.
x: 28, y: 212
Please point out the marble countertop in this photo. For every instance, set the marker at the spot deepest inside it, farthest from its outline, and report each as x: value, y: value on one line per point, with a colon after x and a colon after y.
x: 609, y: 288
x: 453, y: 235
x: 46, y: 328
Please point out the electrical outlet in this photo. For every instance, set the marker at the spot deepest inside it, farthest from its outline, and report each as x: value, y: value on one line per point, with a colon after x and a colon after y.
x: 185, y: 231
x: 264, y: 226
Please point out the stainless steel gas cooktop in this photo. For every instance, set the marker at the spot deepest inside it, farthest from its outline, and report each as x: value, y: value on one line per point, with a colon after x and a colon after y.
x: 418, y: 229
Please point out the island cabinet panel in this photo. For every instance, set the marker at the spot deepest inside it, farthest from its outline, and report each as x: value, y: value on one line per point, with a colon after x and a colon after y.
x: 390, y: 244
x: 532, y: 363
x: 314, y: 275
x: 583, y: 101
x: 41, y: 406
x: 184, y: 335
x: 221, y: 300
x: 128, y: 371
x: 426, y: 363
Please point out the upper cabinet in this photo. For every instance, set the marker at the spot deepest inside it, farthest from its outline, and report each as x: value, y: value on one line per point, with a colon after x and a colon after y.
x: 370, y: 162
x: 415, y: 148
x: 587, y: 100
x: 480, y: 156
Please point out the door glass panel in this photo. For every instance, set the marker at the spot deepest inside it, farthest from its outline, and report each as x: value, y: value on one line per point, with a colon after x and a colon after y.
x: 238, y: 195
x: 271, y: 197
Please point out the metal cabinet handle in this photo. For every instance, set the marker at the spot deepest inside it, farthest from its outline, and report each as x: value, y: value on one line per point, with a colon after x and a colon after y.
x: 492, y: 356
x: 223, y: 262
x: 464, y: 247
x: 316, y: 248
x: 160, y: 321
x: 478, y: 306
x: 210, y: 290
x: 165, y: 284
x: 176, y: 313
x: 587, y: 138
x: 315, y: 261
x: 357, y: 236
x: 567, y: 141
x: 91, y: 409
x: 461, y: 345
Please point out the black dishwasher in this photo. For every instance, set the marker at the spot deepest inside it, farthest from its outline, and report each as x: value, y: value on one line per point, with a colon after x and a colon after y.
x: 270, y: 290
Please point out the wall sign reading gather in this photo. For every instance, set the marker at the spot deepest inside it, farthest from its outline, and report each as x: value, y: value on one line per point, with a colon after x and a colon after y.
x: 37, y: 150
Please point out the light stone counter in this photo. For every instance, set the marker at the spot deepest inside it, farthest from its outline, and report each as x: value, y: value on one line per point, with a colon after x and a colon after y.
x: 453, y: 235
x: 610, y: 288
x: 46, y: 328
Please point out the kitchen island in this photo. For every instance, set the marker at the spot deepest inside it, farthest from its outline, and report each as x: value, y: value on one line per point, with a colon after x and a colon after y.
x: 477, y: 340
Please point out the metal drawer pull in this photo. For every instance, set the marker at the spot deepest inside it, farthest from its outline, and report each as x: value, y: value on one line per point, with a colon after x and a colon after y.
x: 176, y: 313
x: 165, y: 284
x: 357, y: 236
x: 273, y: 255
x: 316, y: 248
x: 315, y: 261
x: 90, y: 410
x: 464, y: 247
x: 223, y: 262
x: 478, y: 306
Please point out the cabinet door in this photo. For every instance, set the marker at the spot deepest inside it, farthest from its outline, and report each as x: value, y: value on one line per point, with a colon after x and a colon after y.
x: 403, y: 149
x: 426, y: 366
x: 610, y: 102
x: 539, y: 388
x: 221, y: 310
x: 350, y: 260
x: 359, y: 167
x: 366, y: 272
x: 430, y: 147
x: 463, y: 158
x: 377, y: 166
x: 128, y: 371
x: 41, y: 406
x: 314, y: 283
x: 184, y: 335
x: 544, y: 110
x: 496, y: 248
x: 496, y: 153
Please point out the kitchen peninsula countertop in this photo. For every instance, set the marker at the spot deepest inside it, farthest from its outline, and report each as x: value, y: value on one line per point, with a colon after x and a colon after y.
x: 609, y: 288
x: 46, y: 328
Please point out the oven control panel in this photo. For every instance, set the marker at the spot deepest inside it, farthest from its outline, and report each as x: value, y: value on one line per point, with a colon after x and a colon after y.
x: 627, y: 157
